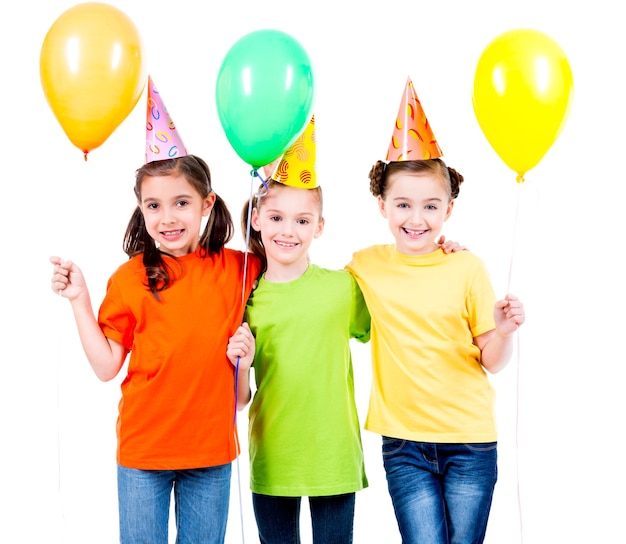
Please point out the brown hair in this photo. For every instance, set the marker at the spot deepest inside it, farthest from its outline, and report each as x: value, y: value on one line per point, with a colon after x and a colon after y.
x: 380, y: 172
x: 217, y: 232
x: 255, y: 243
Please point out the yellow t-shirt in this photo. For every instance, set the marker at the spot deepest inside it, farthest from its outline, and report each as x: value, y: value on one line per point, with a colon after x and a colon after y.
x: 428, y: 384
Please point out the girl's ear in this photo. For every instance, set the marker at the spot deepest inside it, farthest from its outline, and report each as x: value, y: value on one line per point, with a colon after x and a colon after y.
x: 382, y: 207
x: 449, y: 210
x: 319, y: 229
x: 254, y: 220
x: 209, y: 202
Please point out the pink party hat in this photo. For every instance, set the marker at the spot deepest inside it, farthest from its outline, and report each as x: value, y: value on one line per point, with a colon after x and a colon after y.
x: 297, y: 166
x: 412, y: 138
x: 162, y: 139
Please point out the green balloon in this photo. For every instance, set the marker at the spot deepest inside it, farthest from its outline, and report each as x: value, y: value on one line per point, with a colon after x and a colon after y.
x: 264, y: 95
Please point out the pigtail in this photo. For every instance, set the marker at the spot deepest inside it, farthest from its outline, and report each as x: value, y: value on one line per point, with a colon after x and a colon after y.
x: 455, y: 182
x: 255, y: 244
x: 377, y: 178
x: 135, y: 236
x: 219, y: 229
x: 137, y: 241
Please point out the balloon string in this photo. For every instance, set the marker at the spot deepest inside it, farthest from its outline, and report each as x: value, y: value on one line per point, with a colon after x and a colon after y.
x: 238, y: 450
x: 59, y: 447
x: 243, y: 536
x: 243, y: 285
x: 253, y: 174
x: 519, y: 495
x: 520, y: 181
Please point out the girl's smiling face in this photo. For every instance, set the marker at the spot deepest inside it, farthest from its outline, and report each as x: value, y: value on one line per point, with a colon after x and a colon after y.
x: 173, y: 210
x: 288, y: 219
x: 416, y: 205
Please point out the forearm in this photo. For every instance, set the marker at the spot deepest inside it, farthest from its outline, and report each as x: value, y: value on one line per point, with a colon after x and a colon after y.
x: 104, y: 361
x: 243, y: 389
x: 496, y: 353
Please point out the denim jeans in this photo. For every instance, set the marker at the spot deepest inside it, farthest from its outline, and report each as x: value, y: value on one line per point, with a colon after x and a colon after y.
x: 278, y: 518
x: 441, y: 493
x: 201, y: 499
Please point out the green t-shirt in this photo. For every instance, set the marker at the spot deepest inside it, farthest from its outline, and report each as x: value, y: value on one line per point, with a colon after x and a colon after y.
x: 304, y: 433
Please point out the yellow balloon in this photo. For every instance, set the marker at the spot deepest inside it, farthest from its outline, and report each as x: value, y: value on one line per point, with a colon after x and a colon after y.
x: 523, y: 89
x: 92, y: 71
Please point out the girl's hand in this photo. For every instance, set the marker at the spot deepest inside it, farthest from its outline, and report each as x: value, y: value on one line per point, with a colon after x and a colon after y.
x: 509, y: 314
x: 450, y: 247
x: 241, y: 346
x: 67, y: 279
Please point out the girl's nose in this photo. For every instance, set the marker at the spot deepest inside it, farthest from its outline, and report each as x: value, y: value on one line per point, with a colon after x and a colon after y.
x: 416, y: 217
x: 168, y: 217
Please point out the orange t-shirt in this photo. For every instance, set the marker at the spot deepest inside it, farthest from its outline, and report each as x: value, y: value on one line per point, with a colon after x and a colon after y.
x: 178, y: 397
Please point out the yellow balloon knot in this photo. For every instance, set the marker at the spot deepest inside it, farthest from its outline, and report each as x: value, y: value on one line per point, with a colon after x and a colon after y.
x: 520, y: 179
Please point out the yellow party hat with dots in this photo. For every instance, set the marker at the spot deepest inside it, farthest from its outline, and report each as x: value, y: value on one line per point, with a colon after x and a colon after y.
x: 297, y: 166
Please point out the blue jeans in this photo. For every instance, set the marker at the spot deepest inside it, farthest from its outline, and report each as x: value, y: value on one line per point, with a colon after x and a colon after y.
x: 278, y: 518
x: 201, y: 499
x: 441, y: 493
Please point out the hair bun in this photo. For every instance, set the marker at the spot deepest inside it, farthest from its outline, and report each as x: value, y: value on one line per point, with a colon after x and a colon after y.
x: 455, y: 182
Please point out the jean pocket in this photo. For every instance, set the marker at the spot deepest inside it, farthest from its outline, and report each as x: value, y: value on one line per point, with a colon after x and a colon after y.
x: 392, y: 445
x: 482, y: 446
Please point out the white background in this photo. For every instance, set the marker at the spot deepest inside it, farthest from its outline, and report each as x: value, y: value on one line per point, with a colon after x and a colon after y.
x: 560, y: 402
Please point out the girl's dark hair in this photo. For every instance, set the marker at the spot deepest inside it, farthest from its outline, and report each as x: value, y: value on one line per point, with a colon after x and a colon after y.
x: 217, y: 232
x: 380, y: 172
x: 255, y: 243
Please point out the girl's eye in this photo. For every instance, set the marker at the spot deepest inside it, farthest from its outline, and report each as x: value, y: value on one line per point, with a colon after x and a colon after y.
x: 152, y: 206
x: 275, y: 218
x: 403, y: 205
x: 303, y: 221
x: 182, y: 203
x: 431, y: 207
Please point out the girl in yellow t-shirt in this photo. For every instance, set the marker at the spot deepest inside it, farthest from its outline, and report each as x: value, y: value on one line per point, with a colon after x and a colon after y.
x: 436, y: 328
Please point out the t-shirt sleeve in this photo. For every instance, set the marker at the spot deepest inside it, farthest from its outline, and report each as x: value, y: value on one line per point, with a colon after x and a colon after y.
x: 360, y: 316
x: 482, y: 301
x: 116, y: 322
x: 350, y: 266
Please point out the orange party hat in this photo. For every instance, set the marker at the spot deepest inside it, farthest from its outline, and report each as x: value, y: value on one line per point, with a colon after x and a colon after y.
x: 297, y: 167
x: 162, y: 139
x: 412, y: 139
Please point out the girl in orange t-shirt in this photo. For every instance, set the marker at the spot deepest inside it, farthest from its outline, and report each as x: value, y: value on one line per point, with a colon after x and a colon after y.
x: 173, y: 306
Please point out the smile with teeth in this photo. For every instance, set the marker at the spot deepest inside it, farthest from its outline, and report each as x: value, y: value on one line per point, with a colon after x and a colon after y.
x: 414, y: 233
x: 286, y: 245
x: 171, y: 233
